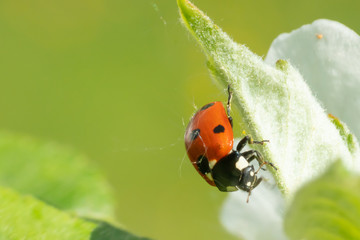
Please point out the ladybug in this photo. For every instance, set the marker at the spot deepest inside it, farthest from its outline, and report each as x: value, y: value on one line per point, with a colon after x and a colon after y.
x: 209, y: 145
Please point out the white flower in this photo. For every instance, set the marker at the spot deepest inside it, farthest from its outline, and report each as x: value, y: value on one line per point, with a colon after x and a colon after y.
x: 327, y: 54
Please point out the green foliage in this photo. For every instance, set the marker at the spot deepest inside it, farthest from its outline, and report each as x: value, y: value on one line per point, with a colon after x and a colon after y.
x: 63, y: 180
x: 106, y: 231
x: 326, y: 208
x: 24, y: 217
x: 57, y: 175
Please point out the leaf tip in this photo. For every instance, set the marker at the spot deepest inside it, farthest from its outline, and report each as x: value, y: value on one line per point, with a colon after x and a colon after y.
x: 185, y: 7
x: 189, y: 12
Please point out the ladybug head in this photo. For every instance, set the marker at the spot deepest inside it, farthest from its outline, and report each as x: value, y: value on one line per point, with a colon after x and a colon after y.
x: 233, y: 172
x: 249, y: 179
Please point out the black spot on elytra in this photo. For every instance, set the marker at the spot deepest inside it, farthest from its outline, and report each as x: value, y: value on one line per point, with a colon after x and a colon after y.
x: 219, y: 129
x: 194, y: 134
x: 203, y: 164
x: 206, y: 106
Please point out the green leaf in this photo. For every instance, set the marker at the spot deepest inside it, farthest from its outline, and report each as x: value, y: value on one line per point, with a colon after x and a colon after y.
x: 274, y: 103
x: 57, y: 175
x: 326, y: 208
x: 107, y: 231
x: 24, y: 217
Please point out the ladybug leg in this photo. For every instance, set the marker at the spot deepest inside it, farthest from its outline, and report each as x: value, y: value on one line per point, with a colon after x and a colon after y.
x: 231, y: 121
x: 248, y: 140
x: 228, y: 106
x: 265, y: 163
x: 242, y: 143
x: 253, y: 154
x: 259, y: 142
x: 251, y: 141
x: 258, y: 181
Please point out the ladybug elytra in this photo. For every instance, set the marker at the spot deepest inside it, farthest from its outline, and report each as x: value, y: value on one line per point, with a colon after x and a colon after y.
x: 209, y: 145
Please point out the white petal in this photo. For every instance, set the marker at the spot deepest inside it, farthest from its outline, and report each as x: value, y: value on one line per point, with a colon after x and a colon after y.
x: 259, y: 219
x: 330, y: 65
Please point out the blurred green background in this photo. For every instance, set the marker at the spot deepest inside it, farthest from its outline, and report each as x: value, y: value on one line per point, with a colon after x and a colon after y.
x: 118, y: 80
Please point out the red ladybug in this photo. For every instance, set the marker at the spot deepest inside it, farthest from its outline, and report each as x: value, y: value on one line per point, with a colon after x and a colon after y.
x: 209, y: 145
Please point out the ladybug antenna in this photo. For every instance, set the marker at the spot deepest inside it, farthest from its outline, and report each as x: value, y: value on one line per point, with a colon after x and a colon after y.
x: 248, y: 197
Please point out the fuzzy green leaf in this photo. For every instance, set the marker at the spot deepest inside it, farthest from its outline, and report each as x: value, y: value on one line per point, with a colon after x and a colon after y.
x: 274, y: 103
x: 57, y: 175
x: 326, y: 208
